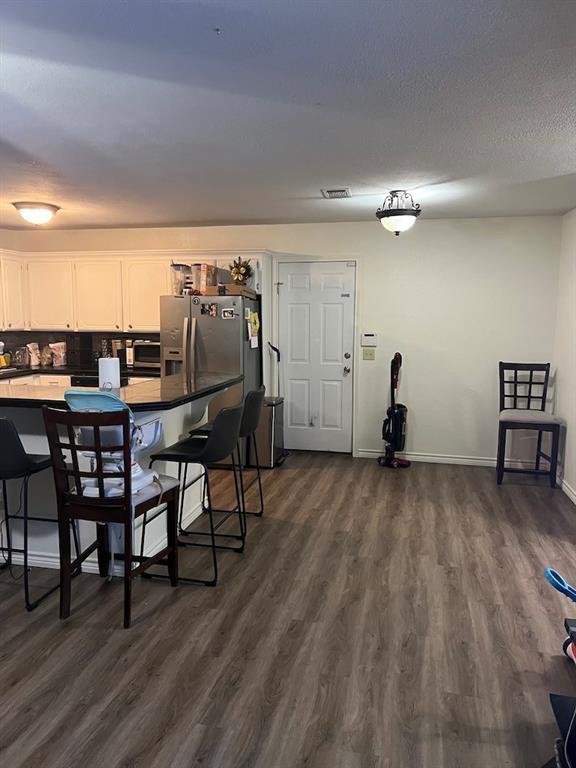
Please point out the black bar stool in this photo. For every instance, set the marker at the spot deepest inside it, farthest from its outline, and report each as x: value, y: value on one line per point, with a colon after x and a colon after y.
x: 16, y: 464
x: 204, y: 450
x: 253, y: 404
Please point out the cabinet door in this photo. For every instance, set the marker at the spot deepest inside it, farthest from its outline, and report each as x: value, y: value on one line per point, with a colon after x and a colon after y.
x: 50, y: 291
x: 98, y: 292
x: 144, y: 283
x: 2, y: 315
x: 13, y: 280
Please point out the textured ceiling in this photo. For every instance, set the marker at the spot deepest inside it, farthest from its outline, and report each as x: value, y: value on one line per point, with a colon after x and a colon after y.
x: 140, y: 113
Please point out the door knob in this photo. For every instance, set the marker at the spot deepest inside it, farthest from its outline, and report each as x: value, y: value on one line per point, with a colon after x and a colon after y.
x: 347, y: 355
x: 346, y: 370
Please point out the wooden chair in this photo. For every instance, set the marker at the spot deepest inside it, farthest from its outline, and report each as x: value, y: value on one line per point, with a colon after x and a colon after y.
x: 523, y: 393
x: 83, y: 492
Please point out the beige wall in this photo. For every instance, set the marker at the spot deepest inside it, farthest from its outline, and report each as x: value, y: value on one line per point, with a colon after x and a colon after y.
x: 565, y: 347
x: 454, y: 296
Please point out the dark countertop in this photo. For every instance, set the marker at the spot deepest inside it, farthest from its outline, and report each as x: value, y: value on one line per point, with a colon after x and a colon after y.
x: 161, y: 394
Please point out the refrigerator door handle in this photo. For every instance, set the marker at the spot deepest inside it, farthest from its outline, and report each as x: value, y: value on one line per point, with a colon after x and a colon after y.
x: 185, y: 342
x: 191, y: 352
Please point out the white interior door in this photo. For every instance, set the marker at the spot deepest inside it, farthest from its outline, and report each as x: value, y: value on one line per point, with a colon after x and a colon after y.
x: 316, y: 338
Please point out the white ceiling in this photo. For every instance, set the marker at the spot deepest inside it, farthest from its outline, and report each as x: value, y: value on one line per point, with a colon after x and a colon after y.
x: 139, y: 114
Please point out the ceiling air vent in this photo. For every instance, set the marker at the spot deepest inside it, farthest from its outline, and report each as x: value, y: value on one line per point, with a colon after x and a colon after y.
x: 337, y: 193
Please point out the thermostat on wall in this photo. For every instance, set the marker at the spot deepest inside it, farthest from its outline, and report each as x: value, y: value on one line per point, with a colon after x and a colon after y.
x: 369, y: 340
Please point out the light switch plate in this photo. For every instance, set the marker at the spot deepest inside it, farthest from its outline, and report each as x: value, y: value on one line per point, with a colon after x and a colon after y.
x: 369, y: 353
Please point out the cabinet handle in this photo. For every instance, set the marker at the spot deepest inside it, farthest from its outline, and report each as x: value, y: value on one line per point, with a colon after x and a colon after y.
x: 67, y: 325
x: 117, y: 326
x: 9, y: 325
x: 129, y: 326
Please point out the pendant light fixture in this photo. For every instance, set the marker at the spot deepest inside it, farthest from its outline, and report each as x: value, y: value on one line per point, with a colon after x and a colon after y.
x: 36, y: 213
x: 399, y: 211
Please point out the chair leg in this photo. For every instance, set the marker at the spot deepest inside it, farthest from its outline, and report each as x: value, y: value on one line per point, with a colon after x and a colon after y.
x: 29, y: 605
x: 239, y: 497
x: 182, y: 494
x: 76, y: 537
x: 554, y: 455
x: 214, y: 580
x: 65, y: 569
x: 501, y: 454
x: 103, y: 550
x: 172, y: 539
x: 127, y: 573
x: 538, y: 450
x: 8, y: 562
x: 259, y: 476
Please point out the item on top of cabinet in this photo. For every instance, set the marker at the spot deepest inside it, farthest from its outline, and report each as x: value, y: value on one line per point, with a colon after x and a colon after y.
x: 34, y: 351
x: 59, y: 356
x: 21, y: 357
x: 46, y: 357
x: 181, y: 278
x: 206, y: 275
x: 241, y: 271
x: 231, y: 290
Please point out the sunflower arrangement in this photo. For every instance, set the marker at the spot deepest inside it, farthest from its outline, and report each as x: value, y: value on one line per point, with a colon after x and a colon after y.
x: 241, y: 271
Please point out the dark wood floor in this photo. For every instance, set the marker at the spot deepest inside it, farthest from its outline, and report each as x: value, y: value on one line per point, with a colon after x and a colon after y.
x: 378, y: 618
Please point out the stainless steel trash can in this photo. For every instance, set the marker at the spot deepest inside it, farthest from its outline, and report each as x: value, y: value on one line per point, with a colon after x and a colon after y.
x: 270, y: 434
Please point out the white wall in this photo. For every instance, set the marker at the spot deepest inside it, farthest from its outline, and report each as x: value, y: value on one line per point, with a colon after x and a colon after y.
x: 454, y: 296
x: 565, y: 348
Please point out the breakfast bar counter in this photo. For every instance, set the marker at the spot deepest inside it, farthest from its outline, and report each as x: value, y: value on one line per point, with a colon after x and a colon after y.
x: 177, y: 405
x: 158, y: 394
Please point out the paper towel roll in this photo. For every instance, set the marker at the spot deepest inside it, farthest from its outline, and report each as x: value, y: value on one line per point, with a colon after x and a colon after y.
x: 109, y: 373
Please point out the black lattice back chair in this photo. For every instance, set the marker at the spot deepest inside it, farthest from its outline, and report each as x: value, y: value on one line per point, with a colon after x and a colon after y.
x: 96, y: 489
x: 524, y: 386
x: 523, y: 397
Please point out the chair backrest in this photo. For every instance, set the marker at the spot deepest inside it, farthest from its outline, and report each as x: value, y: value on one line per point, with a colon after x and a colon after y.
x: 87, y: 483
x: 253, y: 403
x: 224, y: 434
x: 13, y: 459
x: 524, y: 385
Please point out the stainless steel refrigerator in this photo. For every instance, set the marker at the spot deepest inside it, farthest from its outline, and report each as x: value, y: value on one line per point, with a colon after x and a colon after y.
x: 209, y: 334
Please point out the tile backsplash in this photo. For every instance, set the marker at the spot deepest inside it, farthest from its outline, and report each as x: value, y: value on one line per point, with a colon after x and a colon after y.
x: 82, y: 348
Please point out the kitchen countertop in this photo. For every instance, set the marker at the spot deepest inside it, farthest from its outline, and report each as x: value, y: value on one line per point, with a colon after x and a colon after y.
x: 160, y: 394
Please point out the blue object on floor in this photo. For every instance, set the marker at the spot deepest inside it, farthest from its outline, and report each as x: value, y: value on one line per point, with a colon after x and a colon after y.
x: 560, y: 583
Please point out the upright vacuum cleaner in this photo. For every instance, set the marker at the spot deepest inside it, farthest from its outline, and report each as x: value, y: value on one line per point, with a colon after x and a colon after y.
x: 394, y: 426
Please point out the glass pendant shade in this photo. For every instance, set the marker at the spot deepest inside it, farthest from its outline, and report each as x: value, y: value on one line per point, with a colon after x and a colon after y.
x: 399, y: 211
x: 36, y: 213
x: 399, y: 223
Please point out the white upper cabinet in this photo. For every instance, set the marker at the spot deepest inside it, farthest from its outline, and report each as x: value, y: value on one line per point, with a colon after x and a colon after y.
x: 51, y: 294
x: 98, y: 295
x: 144, y: 282
x: 12, y: 285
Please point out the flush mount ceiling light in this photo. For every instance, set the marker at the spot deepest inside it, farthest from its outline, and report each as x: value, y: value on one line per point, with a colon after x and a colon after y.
x: 398, y: 212
x: 36, y: 213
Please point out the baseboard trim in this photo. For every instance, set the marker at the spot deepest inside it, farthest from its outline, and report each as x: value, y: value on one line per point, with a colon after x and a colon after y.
x: 90, y: 565
x: 438, y: 458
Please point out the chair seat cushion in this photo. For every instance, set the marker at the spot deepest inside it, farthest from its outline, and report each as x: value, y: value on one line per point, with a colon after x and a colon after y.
x: 183, y: 451
x: 529, y: 416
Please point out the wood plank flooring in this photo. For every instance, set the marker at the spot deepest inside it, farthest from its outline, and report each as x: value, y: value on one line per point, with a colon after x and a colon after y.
x: 378, y: 619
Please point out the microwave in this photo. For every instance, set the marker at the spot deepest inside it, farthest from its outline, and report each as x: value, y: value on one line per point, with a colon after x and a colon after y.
x: 146, y: 354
